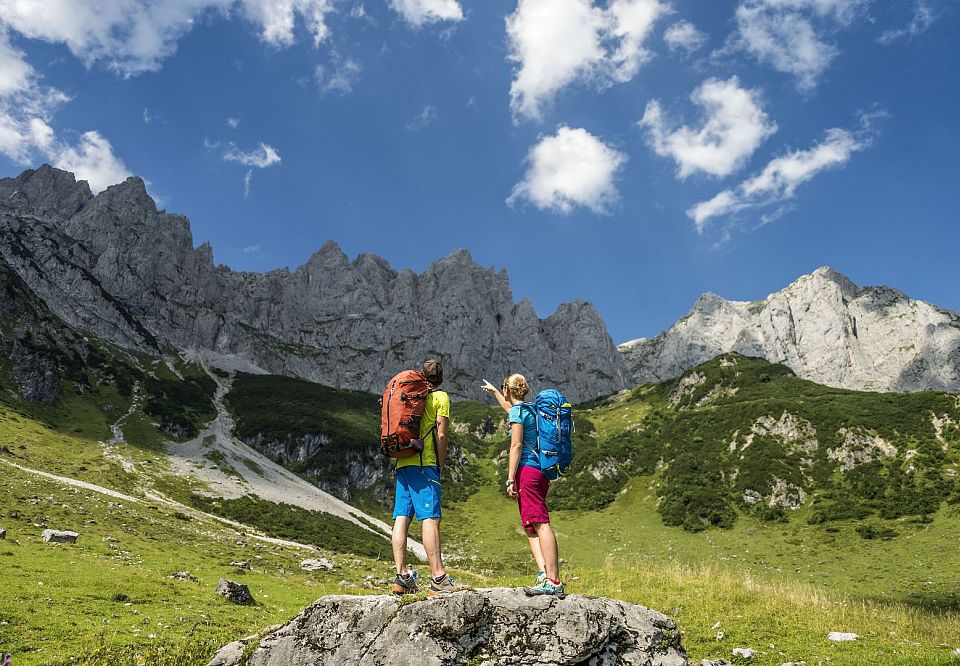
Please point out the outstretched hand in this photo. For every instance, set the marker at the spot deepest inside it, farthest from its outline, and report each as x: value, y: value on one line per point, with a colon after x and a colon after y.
x: 488, y: 387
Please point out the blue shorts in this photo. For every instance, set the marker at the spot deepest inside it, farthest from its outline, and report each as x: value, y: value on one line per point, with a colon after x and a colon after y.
x: 418, y: 492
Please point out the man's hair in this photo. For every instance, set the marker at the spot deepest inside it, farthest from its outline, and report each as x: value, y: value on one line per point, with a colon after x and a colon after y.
x: 433, y: 370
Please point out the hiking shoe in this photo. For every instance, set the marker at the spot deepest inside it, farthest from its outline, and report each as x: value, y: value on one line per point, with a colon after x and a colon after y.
x: 405, y: 583
x: 541, y: 576
x: 546, y: 587
x: 445, y: 586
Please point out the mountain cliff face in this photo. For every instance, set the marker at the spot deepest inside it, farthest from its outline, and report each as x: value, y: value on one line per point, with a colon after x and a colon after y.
x: 825, y: 328
x: 114, y: 266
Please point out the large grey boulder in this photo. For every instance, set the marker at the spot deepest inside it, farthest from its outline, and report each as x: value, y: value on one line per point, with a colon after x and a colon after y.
x: 824, y: 327
x: 493, y: 627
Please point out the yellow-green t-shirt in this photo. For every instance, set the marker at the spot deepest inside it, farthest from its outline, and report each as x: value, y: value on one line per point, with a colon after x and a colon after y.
x: 437, y: 405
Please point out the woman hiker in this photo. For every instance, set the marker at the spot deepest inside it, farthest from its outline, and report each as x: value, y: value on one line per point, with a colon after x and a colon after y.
x: 527, y: 483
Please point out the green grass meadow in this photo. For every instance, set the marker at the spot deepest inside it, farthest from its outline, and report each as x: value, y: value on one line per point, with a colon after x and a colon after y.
x: 778, y: 586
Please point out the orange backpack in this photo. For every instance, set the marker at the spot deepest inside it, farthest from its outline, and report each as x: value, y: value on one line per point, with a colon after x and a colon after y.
x: 400, y: 414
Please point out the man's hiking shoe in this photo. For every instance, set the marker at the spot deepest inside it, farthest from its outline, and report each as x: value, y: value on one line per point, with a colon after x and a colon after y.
x: 445, y: 585
x: 546, y: 587
x: 405, y: 583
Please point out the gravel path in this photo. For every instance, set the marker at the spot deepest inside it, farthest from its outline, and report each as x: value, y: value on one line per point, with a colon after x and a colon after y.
x: 232, y: 469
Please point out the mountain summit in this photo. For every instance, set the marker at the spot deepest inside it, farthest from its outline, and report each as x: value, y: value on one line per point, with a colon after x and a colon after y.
x: 114, y: 266
x: 824, y: 327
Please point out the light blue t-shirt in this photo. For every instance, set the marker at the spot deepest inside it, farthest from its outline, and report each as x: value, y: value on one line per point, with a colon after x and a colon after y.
x: 525, y: 416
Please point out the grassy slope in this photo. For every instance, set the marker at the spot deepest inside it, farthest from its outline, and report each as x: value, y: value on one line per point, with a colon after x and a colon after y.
x: 766, y: 582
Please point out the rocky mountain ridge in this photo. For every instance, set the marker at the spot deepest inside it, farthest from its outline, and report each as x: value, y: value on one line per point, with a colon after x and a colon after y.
x: 114, y: 266
x: 822, y: 326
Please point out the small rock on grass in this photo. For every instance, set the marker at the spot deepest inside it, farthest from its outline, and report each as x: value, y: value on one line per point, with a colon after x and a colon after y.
x: 59, y: 536
x: 240, y: 565
x: 3, y: 533
x: 715, y: 662
x: 184, y: 575
x: 322, y: 564
x: 235, y: 592
x: 841, y: 636
x: 746, y: 653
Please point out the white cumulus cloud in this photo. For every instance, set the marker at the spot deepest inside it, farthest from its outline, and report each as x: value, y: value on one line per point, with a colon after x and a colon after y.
x: 26, y: 137
x: 788, y: 35
x: 277, y: 18
x: 779, y: 180
x: 733, y: 126
x: 92, y: 160
x: 684, y: 35
x: 569, y: 169
x: 422, y: 12
x: 262, y: 156
x: 15, y: 72
x: 135, y: 36
x: 558, y: 42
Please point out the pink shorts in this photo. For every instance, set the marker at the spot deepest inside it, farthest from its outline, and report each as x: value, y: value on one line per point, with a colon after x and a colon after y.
x: 533, y: 487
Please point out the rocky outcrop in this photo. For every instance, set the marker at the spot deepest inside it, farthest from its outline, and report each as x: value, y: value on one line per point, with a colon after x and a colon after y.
x: 118, y: 268
x: 825, y: 328
x: 498, y: 626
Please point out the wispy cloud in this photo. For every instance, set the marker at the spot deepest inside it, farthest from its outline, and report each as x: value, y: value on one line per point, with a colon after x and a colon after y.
x: 556, y: 43
x: 734, y: 125
x: 339, y: 75
x: 570, y: 169
x: 233, y: 122
x: 787, y: 34
x: 923, y: 17
x: 779, y: 180
x: 261, y: 157
x: 684, y: 36
x: 423, y: 120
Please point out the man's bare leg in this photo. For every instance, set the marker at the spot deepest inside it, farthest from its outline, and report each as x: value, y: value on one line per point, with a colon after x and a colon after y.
x: 400, y: 528
x: 431, y: 543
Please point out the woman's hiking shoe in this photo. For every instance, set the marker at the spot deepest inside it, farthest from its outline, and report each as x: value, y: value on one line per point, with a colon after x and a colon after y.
x: 545, y: 587
x: 405, y: 583
x: 445, y: 585
x: 541, y: 576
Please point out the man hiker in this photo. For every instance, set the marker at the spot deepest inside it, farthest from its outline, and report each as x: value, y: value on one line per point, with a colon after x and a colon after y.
x: 418, y: 492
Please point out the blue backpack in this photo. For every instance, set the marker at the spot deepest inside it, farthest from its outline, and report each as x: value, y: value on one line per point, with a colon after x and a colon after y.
x: 554, y: 416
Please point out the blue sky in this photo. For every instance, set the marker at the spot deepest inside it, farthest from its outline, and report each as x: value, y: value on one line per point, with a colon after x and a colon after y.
x: 633, y: 153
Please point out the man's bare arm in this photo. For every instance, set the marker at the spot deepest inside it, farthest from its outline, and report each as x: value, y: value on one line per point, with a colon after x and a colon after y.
x: 442, y: 423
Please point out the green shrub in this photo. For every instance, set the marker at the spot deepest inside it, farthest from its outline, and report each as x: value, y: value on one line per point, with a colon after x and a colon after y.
x: 286, y: 521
